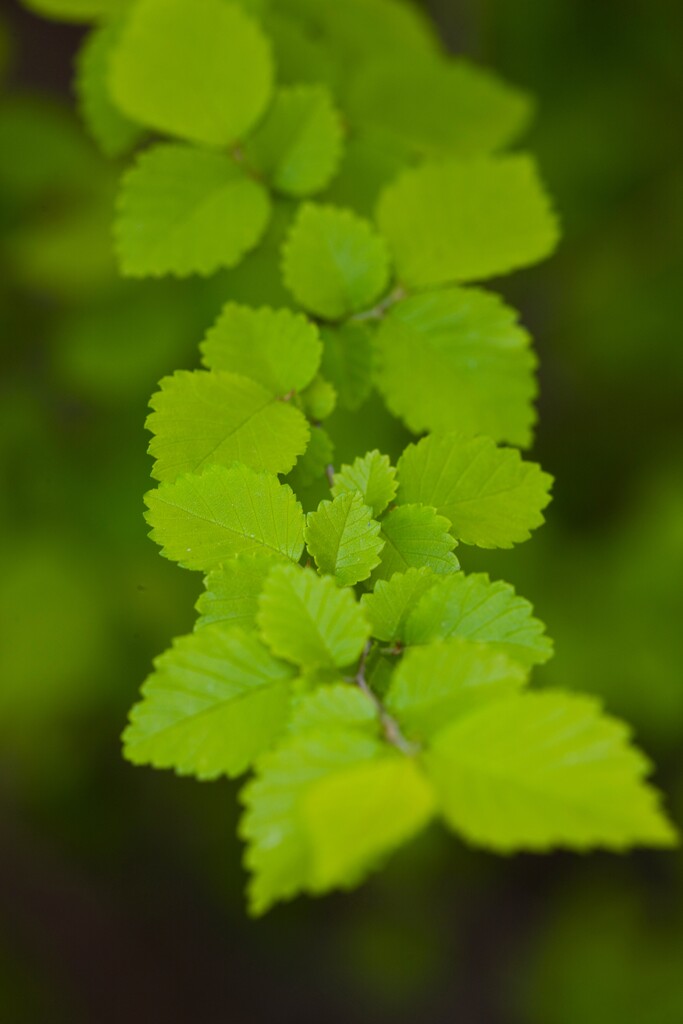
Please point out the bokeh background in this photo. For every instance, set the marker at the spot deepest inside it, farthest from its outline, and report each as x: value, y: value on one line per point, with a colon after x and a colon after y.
x: 121, y: 888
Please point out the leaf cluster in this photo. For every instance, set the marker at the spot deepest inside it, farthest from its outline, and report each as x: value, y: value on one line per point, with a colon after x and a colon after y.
x: 349, y: 176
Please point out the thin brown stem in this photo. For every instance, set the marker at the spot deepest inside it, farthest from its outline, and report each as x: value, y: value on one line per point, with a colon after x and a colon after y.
x: 378, y: 311
x: 390, y: 727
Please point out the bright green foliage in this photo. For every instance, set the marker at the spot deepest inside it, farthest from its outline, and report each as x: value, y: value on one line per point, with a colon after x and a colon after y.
x: 215, y: 701
x: 353, y: 31
x: 197, y: 69
x: 334, y: 263
x: 307, y: 619
x: 473, y: 607
x: 277, y: 348
x: 439, y: 107
x: 344, y: 539
x: 389, y: 606
x: 338, y: 705
x: 299, y: 57
x: 319, y: 399
x: 187, y: 211
x: 491, y: 497
x: 363, y: 718
x: 457, y: 360
x: 232, y: 591
x: 347, y: 361
x: 298, y: 146
x: 202, y: 418
x: 113, y: 131
x: 200, y: 520
x: 415, y: 537
x: 466, y: 220
x: 441, y: 682
x: 545, y: 770
x: 296, y: 841
x: 373, y: 476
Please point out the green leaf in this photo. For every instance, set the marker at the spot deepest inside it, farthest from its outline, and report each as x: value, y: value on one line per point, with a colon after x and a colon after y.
x: 338, y: 706
x: 388, y: 607
x: 215, y: 701
x: 491, y: 497
x: 466, y: 220
x: 313, y: 464
x: 113, y: 132
x: 415, y: 536
x: 298, y: 146
x: 491, y: 613
x: 307, y: 619
x: 299, y: 57
x: 355, y: 31
x: 319, y: 399
x: 543, y: 770
x: 372, y: 475
x: 438, y: 106
x: 441, y: 682
x: 232, y: 591
x: 277, y: 348
x: 347, y: 361
x: 344, y: 539
x: 201, y: 520
x: 457, y: 360
x: 323, y: 809
x: 202, y: 417
x: 371, y: 160
x: 197, y: 69
x: 187, y: 211
x: 334, y: 263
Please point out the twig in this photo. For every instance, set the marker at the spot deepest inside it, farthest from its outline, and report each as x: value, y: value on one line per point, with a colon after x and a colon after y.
x: 390, y: 727
x: 378, y: 311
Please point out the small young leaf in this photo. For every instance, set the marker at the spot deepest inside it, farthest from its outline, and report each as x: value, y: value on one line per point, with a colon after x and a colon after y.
x: 438, y: 107
x: 438, y: 683
x: 334, y: 263
x: 216, y: 700
x: 347, y: 361
x: 344, y: 539
x: 324, y: 807
x: 543, y: 770
x: 201, y: 520
x: 201, y: 418
x: 298, y: 146
x: 114, y: 133
x: 466, y: 220
x: 457, y: 360
x: 231, y: 592
x: 279, y: 349
x: 319, y: 399
x: 415, y: 536
x: 389, y: 605
x: 491, y: 497
x: 187, y: 211
x: 372, y: 475
x: 491, y: 613
x: 197, y: 69
x: 308, y: 620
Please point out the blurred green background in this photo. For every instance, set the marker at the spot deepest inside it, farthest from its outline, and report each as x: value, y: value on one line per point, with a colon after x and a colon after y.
x: 121, y: 889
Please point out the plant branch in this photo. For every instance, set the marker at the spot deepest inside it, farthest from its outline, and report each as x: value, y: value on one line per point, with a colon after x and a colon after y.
x: 378, y: 311
x: 390, y: 727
